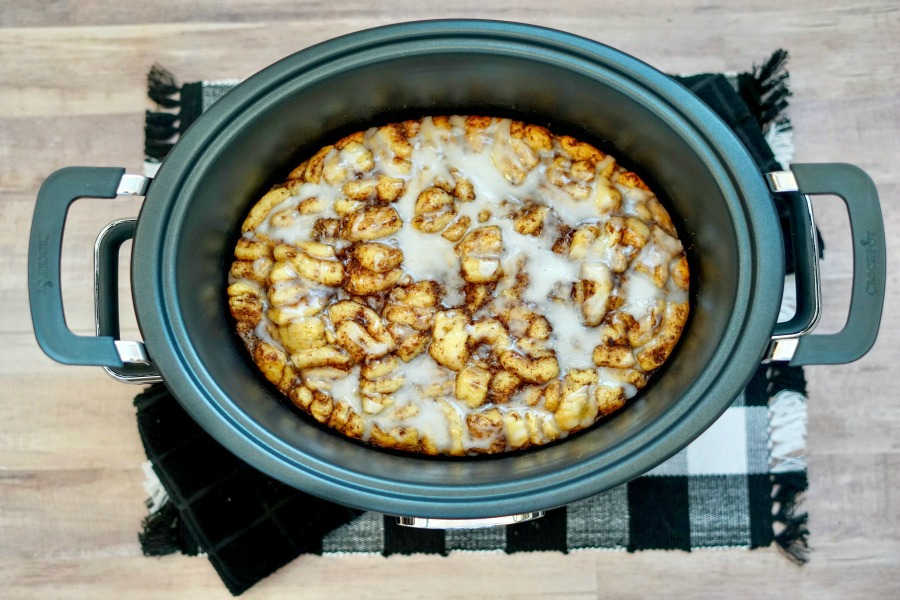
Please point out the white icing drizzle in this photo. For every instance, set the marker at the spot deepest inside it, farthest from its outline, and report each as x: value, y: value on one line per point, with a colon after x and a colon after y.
x: 641, y: 294
x: 300, y: 228
x: 571, y: 340
x: 346, y: 389
x: 434, y: 258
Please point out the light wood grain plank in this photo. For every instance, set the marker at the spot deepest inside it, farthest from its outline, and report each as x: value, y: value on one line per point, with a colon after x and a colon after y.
x: 34, y: 147
x: 71, y: 513
x: 854, y: 570
x: 853, y: 495
x: 728, y: 573
x: 45, y: 428
x: 457, y: 577
x: 850, y: 129
x: 836, y: 391
x: 113, y: 577
x: 117, y: 56
x: 108, y: 12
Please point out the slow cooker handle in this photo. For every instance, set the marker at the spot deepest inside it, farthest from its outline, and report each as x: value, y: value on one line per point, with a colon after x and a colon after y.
x: 57, y: 193
x: 860, y: 196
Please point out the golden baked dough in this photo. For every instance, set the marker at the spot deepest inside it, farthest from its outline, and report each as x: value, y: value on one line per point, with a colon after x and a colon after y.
x: 459, y: 285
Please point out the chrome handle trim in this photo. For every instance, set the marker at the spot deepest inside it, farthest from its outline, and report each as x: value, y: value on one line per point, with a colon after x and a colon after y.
x: 781, y: 350
x: 132, y: 379
x: 783, y: 347
x: 431, y: 523
x: 782, y: 181
x: 133, y: 185
x: 130, y: 352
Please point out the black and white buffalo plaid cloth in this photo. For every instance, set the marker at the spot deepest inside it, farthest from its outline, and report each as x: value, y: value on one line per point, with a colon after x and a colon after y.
x: 737, y: 485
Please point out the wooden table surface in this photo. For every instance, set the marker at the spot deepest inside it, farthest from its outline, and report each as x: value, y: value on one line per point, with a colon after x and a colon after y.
x: 72, y: 91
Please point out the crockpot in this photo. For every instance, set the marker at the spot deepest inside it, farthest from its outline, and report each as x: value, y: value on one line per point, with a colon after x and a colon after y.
x: 248, y: 140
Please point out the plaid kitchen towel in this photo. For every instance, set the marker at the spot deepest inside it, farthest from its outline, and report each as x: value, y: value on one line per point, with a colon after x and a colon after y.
x: 737, y: 485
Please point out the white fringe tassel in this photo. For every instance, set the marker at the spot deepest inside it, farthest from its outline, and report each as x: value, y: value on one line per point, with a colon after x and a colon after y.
x: 787, y: 432
x: 156, y: 493
x: 780, y: 139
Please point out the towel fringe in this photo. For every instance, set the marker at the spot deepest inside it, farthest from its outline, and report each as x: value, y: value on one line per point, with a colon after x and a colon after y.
x: 161, y: 126
x: 780, y: 139
x: 156, y: 492
x: 787, y: 432
x: 765, y: 89
x: 787, y: 460
x: 789, y: 524
x: 162, y: 88
x: 164, y: 532
x: 787, y: 418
